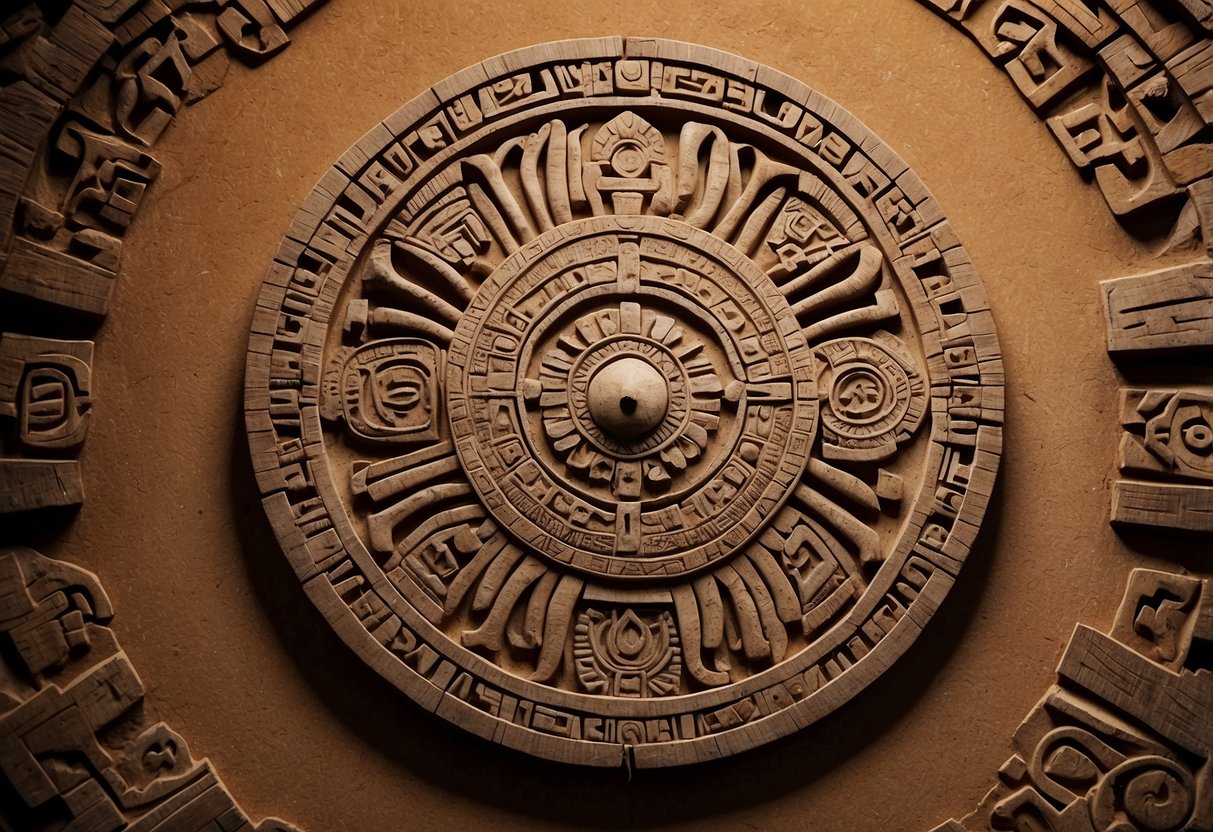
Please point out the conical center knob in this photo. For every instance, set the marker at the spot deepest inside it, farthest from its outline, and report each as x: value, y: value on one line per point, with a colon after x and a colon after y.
x: 628, y: 398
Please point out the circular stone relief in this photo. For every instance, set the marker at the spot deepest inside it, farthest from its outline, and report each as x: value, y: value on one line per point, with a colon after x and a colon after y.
x: 624, y: 402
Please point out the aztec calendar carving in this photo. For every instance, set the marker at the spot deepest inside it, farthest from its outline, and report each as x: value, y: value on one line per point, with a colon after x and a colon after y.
x: 628, y: 403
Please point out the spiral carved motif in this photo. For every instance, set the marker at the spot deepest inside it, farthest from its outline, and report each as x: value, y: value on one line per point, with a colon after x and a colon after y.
x: 624, y: 398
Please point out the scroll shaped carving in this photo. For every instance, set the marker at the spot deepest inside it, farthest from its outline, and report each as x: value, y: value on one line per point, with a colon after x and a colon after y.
x: 110, y: 177
x: 151, y: 81
x: 637, y: 376
x: 1123, y: 742
x: 873, y: 397
x: 45, y: 387
x: 80, y: 743
x: 251, y: 28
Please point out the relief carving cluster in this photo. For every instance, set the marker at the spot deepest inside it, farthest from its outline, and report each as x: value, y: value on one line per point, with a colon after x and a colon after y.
x: 85, y: 91
x: 1122, y: 743
x: 1126, y: 87
x: 82, y: 748
x: 86, y: 88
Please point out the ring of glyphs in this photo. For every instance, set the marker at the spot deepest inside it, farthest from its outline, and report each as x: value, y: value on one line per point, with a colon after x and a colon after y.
x: 624, y: 397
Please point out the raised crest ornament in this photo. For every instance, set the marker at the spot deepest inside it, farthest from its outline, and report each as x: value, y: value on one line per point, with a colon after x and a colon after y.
x: 624, y: 401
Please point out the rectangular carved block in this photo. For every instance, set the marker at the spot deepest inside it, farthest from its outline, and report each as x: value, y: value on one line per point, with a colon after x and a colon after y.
x: 1193, y: 69
x: 1201, y: 12
x: 1167, y: 432
x: 1181, y: 507
x: 60, y: 60
x: 57, y: 279
x: 288, y: 10
x: 1170, y: 702
x: 27, y: 484
x: 1170, y: 309
x: 25, y: 118
x: 1160, y: 616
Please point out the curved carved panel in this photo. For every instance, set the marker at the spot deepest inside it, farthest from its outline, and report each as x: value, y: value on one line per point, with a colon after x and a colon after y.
x: 624, y: 401
x: 1122, y: 742
x: 81, y: 746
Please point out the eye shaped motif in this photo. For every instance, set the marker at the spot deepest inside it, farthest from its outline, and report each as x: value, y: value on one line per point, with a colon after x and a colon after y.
x: 1198, y: 435
x: 399, y: 389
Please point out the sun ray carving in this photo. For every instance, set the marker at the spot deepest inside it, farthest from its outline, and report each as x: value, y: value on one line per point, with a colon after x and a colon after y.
x: 670, y: 424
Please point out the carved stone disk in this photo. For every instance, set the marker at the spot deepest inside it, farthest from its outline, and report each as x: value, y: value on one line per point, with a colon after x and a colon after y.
x: 624, y: 401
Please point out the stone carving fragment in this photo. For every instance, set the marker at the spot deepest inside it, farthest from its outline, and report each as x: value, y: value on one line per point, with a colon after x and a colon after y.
x: 46, y: 387
x: 27, y: 484
x: 1185, y: 508
x: 108, y: 78
x: 1122, y: 742
x: 1168, y: 432
x: 1125, y: 87
x: 1170, y: 309
x: 78, y: 741
x: 84, y: 86
x: 1037, y: 58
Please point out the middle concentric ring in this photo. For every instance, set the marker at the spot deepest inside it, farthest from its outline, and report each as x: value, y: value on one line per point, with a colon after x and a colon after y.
x: 631, y: 397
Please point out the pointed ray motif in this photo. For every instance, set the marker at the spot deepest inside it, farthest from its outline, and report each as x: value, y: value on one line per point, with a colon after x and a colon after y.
x: 768, y: 183
x: 556, y: 627
x: 491, y: 633
x: 383, y: 318
x: 865, y: 540
x: 529, y: 634
x: 690, y: 626
x: 846, y: 484
x: 382, y: 274
x: 467, y: 577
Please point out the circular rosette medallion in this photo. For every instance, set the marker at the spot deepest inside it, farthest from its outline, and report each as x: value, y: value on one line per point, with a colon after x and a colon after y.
x: 624, y: 401
x: 631, y: 397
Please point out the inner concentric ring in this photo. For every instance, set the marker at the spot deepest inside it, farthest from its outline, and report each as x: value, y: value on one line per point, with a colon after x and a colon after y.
x: 615, y: 435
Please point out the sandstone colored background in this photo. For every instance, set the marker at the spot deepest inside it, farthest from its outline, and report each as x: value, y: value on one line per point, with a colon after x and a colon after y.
x: 237, y: 659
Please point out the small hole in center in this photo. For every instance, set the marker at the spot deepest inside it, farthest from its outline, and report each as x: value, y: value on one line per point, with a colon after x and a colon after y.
x: 628, y: 405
